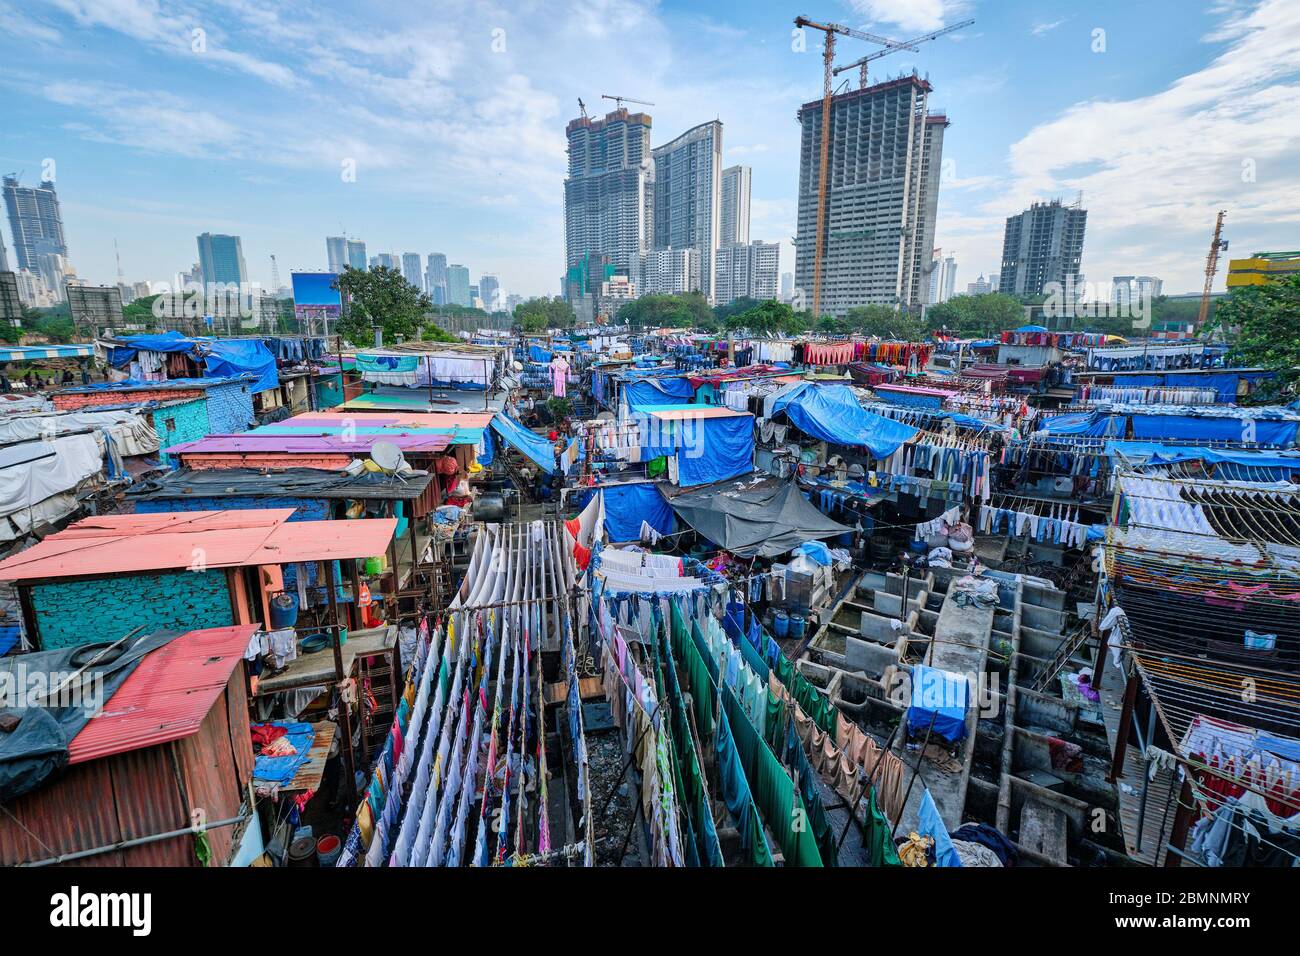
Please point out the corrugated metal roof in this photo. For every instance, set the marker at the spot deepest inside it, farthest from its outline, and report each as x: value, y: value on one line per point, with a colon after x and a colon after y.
x: 123, y: 544
x: 308, y: 444
x: 167, y: 696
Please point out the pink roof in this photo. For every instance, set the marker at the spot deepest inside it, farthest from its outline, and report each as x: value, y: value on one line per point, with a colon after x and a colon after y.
x: 400, y: 418
x: 124, y: 544
x: 306, y: 444
x: 167, y: 696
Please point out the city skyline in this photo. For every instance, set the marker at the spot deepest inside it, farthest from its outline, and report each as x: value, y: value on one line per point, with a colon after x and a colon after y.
x: 142, y: 157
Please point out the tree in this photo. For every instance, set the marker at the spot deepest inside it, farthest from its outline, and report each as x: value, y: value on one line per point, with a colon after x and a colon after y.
x: 1263, y: 323
x: 689, y: 310
x: 724, y: 312
x: 540, y: 314
x: 977, y: 315
x: 140, y: 311
x: 380, y: 297
x: 768, y: 318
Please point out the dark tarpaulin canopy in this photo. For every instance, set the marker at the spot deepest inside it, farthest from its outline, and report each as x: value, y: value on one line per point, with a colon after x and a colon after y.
x: 761, y: 520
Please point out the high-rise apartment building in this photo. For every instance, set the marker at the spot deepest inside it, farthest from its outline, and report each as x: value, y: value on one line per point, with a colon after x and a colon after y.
x: 881, y: 200
x: 1042, y: 244
x: 336, y: 252
x: 688, y: 196
x: 35, y: 222
x: 435, y: 278
x: 666, y: 271
x: 734, y: 229
x: 356, y: 250
x: 943, y: 278
x: 787, y: 286
x: 4, y: 255
x: 747, y: 271
x: 608, y: 194
x: 411, y: 269
x: 489, y: 290
x: 221, y: 259
x: 458, y: 286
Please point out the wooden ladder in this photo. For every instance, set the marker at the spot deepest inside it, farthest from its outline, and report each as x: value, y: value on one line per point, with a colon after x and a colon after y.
x: 1064, y: 651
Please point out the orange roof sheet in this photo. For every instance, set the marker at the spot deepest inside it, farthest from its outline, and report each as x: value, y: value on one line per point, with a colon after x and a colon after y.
x: 124, y: 544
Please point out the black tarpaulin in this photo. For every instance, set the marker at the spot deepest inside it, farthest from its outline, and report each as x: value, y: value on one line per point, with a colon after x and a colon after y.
x: 761, y: 520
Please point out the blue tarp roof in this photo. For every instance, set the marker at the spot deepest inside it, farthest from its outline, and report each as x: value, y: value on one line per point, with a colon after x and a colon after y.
x: 832, y: 413
x: 707, y: 449
x: 1160, y: 454
x: 539, y: 449
x: 939, y: 696
x: 670, y: 391
x: 626, y: 506
x: 222, y: 358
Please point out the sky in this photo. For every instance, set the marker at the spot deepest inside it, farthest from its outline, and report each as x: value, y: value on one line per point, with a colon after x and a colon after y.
x: 439, y: 127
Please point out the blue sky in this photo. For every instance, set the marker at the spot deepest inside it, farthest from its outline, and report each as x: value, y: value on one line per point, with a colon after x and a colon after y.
x: 453, y: 115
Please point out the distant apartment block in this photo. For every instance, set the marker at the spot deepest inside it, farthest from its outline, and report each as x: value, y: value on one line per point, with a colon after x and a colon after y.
x: 1041, y: 245
x: 667, y: 271
x: 734, y: 230
x: 609, y: 191
x: 221, y: 259
x: 748, y: 271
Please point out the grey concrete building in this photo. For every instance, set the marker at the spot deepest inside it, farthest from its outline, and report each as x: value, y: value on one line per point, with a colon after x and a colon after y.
x: 1042, y: 244
x: 736, y: 187
x: 608, y: 194
x: 688, y: 196
x: 882, y: 194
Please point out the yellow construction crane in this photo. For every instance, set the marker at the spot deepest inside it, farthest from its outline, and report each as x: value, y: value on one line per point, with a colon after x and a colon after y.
x: 1217, y: 245
x: 904, y: 45
x: 620, y: 100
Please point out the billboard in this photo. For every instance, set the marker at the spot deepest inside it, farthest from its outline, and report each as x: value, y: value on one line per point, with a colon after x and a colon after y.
x: 314, y: 296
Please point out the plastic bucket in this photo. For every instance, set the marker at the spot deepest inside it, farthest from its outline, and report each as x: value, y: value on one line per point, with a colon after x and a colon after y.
x: 328, y: 849
x: 797, y: 626
x: 284, y: 610
x: 781, y: 624
x: 374, y: 565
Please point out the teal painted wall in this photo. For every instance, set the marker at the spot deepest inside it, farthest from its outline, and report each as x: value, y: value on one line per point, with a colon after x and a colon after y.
x: 189, y: 422
x: 85, y: 612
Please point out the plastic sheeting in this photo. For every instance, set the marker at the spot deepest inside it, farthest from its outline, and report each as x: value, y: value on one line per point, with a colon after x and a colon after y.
x: 539, y: 449
x: 228, y: 357
x: 1158, y: 454
x: 626, y: 506
x: 831, y: 413
x: 1207, y: 428
x: 33, y: 471
x: 764, y: 520
x: 940, y: 697
x: 651, y: 392
x: 1084, y: 425
x: 728, y: 451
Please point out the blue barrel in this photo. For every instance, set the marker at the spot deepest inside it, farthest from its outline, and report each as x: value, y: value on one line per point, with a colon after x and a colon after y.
x: 797, y: 625
x: 781, y: 624
x: 918, y: 547
x: 846, y: 540
x: 284, y: 610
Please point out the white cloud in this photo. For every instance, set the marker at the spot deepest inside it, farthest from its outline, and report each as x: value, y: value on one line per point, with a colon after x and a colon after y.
x: 1039, y: 29
x: 914, y: 16
x: 1155, y: 169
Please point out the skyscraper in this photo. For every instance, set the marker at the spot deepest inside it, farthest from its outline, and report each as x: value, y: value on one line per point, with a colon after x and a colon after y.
x: 336, y: 251
x: 34, y: 221
x: 608, y: 195
x: 667, y: 271
x: 221, y: 259
x: 357, y: 254
x: 943, y: 277
x: 881, y: 201
x: 489, y: 290
x: 735, y: 206
x: 1042, y: 244
x: 411, y: 270
x: 435, y: 278
x: 458, y: 286
x: 4, y: 255
x: 688, y: 196
x: 747, y: 271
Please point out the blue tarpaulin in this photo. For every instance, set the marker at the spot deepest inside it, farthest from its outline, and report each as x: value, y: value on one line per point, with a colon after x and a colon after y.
x: 832, y: 414
x: 1084, y: 425
x: 539, y: 449
x: 649, y: 392
x: 1159, y: 454
x: 1213, y: 428
x: 930, y: 823
x: 227, y: 357
x: 538, y: 354
x: 626, y: 506
x: 939, y: 696
x: 706, y: 449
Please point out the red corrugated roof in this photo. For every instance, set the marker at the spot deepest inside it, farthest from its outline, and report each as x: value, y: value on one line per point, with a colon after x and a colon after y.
x: 167, y: 696
x: 123, y: 544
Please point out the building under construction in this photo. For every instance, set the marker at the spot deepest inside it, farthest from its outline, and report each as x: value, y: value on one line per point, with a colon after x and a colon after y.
x: 881, y: 196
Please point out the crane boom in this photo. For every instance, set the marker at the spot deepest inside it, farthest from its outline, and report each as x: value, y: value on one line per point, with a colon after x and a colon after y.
x: 904, y: 45
x: 620, y: 100
x: 1217, y: 244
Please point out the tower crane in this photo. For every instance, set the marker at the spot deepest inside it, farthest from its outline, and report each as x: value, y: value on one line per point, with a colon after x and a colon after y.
x: 1217, y: 245
x: 905, y: 45
x: 620, y: 100
x: 831, y: 31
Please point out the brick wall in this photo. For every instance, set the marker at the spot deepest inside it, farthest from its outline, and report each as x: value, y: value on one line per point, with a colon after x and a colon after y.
x: 69, y: 613
x: 305, y: 509
x: 230, y: 408
x: 111, y: 396
x: 178, y: 423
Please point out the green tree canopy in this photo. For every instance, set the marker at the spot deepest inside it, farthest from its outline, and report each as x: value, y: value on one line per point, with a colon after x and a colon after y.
x: 1262, y: 325
x: 689, y: 309
x: 977, y: 315
x: 540, y: 314
x: 380, y: 296
x: 768, y: 318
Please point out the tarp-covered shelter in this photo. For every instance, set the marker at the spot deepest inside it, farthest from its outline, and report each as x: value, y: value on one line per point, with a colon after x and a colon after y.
x: 708, y: 443
x: 220, y: 358
x: 832, y: 414
x: 762, y: 520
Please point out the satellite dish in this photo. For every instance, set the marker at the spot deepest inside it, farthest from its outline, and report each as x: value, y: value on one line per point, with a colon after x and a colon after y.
x: 387, y: 456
